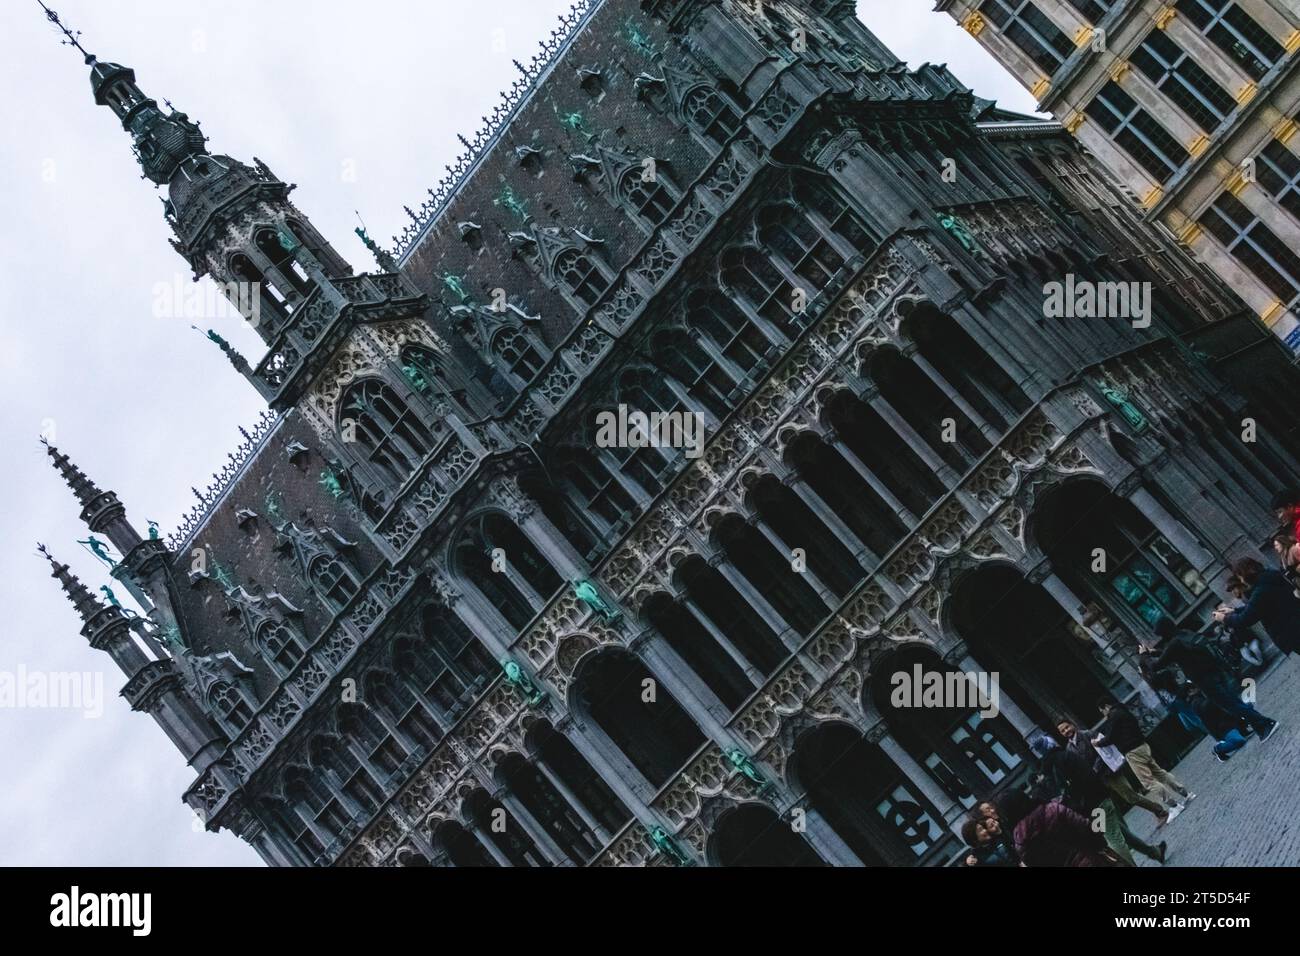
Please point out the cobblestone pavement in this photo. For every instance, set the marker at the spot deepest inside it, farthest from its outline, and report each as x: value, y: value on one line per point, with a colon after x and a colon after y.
x: 1247, y: 811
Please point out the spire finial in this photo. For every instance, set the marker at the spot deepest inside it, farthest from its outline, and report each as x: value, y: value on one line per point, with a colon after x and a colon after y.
x: 85, y: 489
x: 85, y: 602
x: 70, y: 36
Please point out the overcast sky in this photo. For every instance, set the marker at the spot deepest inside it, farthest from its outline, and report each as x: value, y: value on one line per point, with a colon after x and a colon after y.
x: 360, y: 105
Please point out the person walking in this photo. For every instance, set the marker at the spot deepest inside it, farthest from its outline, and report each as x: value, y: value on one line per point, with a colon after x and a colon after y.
x: 1051, y: 834
x: 1120, y: 729
x: 1111, y: 778
x: 1195, y: 712
x: 1086, y: 793
x: 1270, y: 601
x: 1203, y: 669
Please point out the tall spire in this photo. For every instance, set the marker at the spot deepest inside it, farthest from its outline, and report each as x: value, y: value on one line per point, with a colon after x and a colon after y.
x: 163, y: 141
x: 85, y: 489
x: 87, y: 604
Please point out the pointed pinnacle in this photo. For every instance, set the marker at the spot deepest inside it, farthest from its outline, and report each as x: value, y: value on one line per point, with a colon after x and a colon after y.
x: 85, y: 489
x: 85, y: 602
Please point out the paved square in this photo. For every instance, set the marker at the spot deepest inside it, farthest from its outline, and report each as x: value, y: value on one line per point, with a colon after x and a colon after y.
x: 1245, y: 812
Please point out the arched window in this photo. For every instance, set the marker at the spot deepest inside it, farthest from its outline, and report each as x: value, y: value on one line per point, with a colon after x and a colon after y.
x: 460, y: 846
x: 770, y: 573
x: 846, y: 493
x: 514, y: 350
x: 596, y: 487
x: 423, y: 369
x: 402, y: 710
x: 571, y: 768
x: 786, y: 231
x: 372, y: 742
x: 705, y: 382
x: 832, y: 213
x: 268, y: 299
x: 926, y: 408
x: 650, y: 201
x: 280, y: 645
x: 739, y: 340
x: 343, y: 770
x: 316, y: 806
x: 798, y: 526
x: 655, y: 734
x: 332, y: 581
x: 881, y: 449
x: 444, y: 663
x: 229, y: 706
x: 522, y: 580
x: 701, y: 651
x: 550, y: 809
x: 384, y: 431
x: 750, y: 274
x: 733, y: 616
x: 753, y: 835
x: 705, y: 110
x: 579, y: 274
x: 291, y: 273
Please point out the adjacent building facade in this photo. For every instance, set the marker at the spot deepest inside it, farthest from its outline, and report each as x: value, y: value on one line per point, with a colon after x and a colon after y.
x: 1194, y: 105
x: 429, y: 616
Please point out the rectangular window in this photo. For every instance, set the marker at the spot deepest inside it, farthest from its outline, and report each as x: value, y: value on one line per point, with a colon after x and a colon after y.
x: 1031, y: 30
x: 1134, y: 129
x: 1180, y: 78
x: 1234, y: 32
x: 1256, y: 247
x: 1278, y: 171
x: 1091, y: 10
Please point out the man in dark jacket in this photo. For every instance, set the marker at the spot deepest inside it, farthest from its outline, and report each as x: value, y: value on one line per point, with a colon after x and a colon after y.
x: 1203, y: 669
x: 1120, y: 729
x: 1271, y: 601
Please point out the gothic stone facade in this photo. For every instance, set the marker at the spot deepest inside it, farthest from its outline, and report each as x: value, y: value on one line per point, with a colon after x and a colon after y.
x: 369, y: 641
x: 1192, y: 104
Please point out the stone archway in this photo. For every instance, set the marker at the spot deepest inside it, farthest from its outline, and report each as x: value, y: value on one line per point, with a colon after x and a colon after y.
x: 753, y: 835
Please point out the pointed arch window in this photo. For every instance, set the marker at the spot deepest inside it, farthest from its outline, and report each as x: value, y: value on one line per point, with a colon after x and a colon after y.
x: 332, y: 580
x: 578, y: 273
x: 704, y: 380
x: 296, y: 279
x: 516, y: 354
x: 374, y: 744
x: 739, y: 340
x: 753, y: 277
x: 833, y: 214
x: 280, y: 645
x: 650, y: 201
x: 597, y: 489
x: 709, y: 114
x: 231, y: 709
x: 343, y: 769
x: 444, y: 663
x: 269, y: 298
x: 785, y: 230
x: 525, y: 582
x: 403, y: 710
x: 385, y: 432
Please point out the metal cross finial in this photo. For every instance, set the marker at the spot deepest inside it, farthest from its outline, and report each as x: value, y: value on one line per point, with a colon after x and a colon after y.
x: 70, y: 35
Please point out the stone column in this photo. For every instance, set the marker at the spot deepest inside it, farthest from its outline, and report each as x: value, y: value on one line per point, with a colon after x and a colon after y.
x: 489, y: 845
x: 546, y: 846
x: 574, y: 801
x: 1006, y: 706
x: 1174, y: 530
x: 949, y: 809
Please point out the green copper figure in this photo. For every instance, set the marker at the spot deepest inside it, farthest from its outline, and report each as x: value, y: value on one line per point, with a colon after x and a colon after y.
x: 154, y: 534
x: 638, y: 40
x: 99, y: 550
x: 456, y: 285
x: 287, y: 241
x: 112, y: 599
x: 958, y: 230
x: 510, y: 201
x: 586, y: 592
x: 416, y: 378
x: 1127, y: 409
x: 273, y: 509
x: 331, y: 483
x: 666, y: 845
x: 222, y: 576
x: 171, y: 637
x: 741, y: 762
x: 516, y: 677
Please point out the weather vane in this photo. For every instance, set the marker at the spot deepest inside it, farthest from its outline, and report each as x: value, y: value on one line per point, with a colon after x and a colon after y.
x: 70, y: 35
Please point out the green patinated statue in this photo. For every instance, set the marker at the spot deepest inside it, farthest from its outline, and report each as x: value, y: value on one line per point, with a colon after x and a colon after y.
x: 287, y: 241
x: 516, y: 677
x: 154, y: 534
x: 112, y: 598
x: 382, y: 256
x: 586, y: 592
x: 958, y: 230
x: 509, y: 200
x: 666, y: 845
x: 1127, y: 409
x: 171, y: 637
x: 638, y: 40
x: 273, y: 505
x: 331, y: 483
x: 456, y: 285
x: 416, y: 377
x: 222, y: 576
x: 741, y: 762
x: 99, y: 550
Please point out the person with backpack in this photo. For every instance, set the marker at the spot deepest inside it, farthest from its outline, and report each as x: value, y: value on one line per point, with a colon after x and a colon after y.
x: 1203, y: 668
